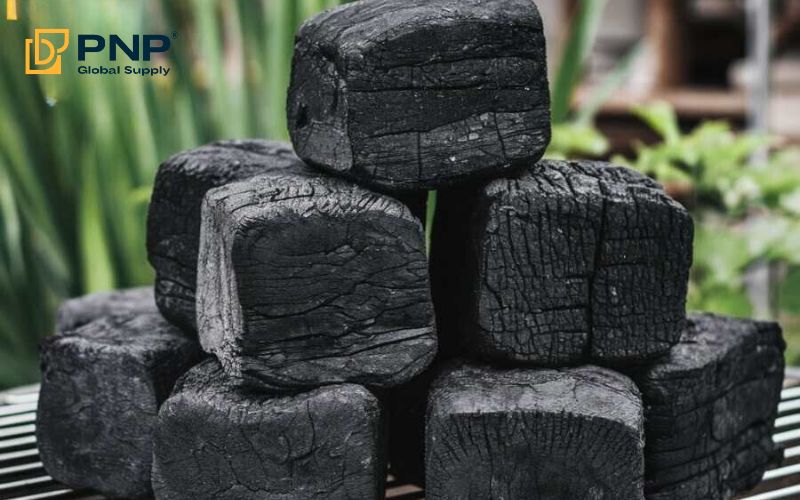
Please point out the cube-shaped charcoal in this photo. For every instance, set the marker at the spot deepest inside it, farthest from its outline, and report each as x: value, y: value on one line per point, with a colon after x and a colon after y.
x: 74, y: 313
x: 215, y: 440
x: 102, y: 385
x: 421, y: 93
x: 710, y: 408
x: 173, y: 224
x: 307, y: 280
x: 569, y: 262
x: 533, y: 433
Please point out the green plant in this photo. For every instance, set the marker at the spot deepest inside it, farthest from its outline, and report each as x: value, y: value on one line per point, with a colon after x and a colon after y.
x: 582, y: 32
x: 746, y: 215
x: 573, y: 132
x: 78, y: 153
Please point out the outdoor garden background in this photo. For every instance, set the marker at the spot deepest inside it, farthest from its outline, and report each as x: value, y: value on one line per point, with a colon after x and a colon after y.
x: 78, y: 153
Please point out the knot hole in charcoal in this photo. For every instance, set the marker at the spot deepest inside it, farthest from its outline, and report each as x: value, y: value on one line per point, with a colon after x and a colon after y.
x: 302, y: 117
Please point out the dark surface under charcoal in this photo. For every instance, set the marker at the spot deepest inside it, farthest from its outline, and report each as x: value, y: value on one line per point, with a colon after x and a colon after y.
x: 306, y: 281
x: 102, y: 385
x: 76, y: 312
x: 421, y: 93
x: 710, y: 408
x: 173, y: 224
x: 405, y: 407
x: 567, y: 263
x: 215, y: 440
x: 534, y: 433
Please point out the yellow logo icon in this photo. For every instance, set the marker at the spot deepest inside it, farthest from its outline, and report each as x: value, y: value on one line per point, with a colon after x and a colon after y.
x: 11, y: 10
x: 46, y: 56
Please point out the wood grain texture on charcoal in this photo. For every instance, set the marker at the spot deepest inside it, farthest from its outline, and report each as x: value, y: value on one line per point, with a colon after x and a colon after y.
x: 534, y: 433
x: 173, y: 224
x: 102, y: 385
x: 710, y: 408
x: 215, y: 440
x: 566, y: 263
x: 308, y: 280
x: 418, y: 94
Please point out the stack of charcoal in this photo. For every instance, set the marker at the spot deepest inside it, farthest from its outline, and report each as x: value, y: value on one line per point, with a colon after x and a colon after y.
x: 304, y: 334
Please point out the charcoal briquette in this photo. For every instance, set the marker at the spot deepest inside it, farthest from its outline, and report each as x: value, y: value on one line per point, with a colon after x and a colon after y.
x: 173, y: 224
x: 710, y: 408
x: 418, y: 94
x: 216, y: 440
x: 102, y: 385
x: 76, y: 312
x: 566, y: 263
x: 533, y: 433
x: 310, y: 280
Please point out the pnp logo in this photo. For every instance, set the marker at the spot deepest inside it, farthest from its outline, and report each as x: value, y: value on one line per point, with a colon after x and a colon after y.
x: 46, y: 58
x: 140, y: 49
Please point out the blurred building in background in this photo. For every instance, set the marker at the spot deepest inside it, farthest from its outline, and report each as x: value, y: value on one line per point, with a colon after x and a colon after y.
x: 701, y: 56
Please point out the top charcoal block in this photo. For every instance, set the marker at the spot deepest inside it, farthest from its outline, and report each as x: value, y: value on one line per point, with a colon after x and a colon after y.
x: 173, y: 225
x: 74, y: 313
x: 421, y: 93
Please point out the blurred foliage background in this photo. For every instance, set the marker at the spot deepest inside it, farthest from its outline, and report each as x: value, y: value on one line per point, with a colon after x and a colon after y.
x: 78, y: 155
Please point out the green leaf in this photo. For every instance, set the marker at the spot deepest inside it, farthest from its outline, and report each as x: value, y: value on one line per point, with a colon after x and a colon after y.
x: 98, y: 271
x: 574, y: 139
x: 582, y: 32
x: 720, y: 253
x: 727, y: 300
x: 430, y: 220
x: 660, y: 117
x: 610, y: 84
x: 789, y: 291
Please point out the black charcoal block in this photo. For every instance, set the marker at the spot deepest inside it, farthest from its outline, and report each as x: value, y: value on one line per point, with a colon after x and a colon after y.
x: 102, y: 385
x: 420, y: 93
x: 307, y: 281
x: 534, y: 433
x: 76, y: 312
x: 173, y: 224
x: 569, y: 262
x: 710, y: 408
x: 216, y: 440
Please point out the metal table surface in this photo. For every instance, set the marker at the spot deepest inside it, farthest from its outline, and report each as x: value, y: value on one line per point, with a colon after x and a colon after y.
x: 23, y: 478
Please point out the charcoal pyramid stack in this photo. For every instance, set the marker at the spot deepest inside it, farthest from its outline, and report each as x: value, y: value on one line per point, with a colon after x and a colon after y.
x: 302, y: 335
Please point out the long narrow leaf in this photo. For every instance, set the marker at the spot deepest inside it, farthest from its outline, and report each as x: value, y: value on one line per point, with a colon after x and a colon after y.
x: 581, y: 37
x: 610, y: 84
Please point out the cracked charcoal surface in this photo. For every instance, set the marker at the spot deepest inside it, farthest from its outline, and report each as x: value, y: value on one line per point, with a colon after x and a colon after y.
x: 569, y: 262
x: 76, y: 312
x: 173, y: 225
x: 706, y: 439
x: 421, y: 93
x: 215, y: 440
x: 102, y: 385
x: 534, y: 433
x: 309, y: 281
